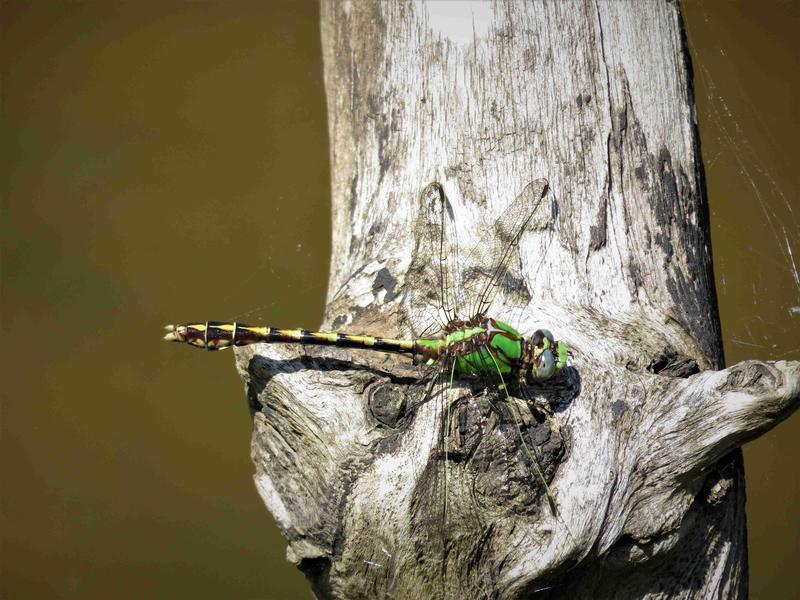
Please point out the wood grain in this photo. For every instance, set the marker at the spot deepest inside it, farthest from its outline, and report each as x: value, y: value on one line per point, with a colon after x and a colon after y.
x: 641, y: 448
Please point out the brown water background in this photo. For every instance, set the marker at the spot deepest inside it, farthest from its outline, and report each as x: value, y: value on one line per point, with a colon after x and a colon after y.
x: 168, y: 161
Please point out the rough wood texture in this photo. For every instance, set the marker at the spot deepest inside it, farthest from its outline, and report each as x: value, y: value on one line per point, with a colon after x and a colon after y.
x: 641, y: 448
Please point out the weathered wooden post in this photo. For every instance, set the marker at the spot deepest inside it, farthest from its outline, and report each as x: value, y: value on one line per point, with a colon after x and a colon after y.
x: 596, y: 97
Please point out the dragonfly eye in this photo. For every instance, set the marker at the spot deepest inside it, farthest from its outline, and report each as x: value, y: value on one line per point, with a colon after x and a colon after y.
x: 545, y: 366
x: 542, y: 338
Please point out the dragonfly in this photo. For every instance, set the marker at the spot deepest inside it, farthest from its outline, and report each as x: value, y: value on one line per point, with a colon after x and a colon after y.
x: 470, y: 344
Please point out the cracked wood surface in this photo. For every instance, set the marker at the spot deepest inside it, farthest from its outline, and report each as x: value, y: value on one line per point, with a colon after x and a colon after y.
x: 640, y: 445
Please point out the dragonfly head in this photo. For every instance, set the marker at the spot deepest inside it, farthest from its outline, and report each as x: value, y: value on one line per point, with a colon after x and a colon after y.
x: 543, y: 357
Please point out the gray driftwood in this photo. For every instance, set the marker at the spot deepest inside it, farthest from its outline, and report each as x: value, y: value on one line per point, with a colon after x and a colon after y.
x: 642, y: 446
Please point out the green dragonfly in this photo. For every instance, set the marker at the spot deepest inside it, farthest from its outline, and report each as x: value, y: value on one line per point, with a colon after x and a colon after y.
x: 470, y: 344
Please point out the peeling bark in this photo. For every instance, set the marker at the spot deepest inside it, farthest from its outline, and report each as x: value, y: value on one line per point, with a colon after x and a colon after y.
x: 639, y: 439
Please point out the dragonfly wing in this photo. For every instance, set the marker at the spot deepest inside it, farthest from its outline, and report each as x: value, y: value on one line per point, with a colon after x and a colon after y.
x: 445, y: 519
x: 499, y: 246
x: 435, y: 285
x: 428, y: 514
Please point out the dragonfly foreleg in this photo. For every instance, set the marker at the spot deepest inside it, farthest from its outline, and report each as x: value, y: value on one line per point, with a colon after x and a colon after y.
x: 539, y: 406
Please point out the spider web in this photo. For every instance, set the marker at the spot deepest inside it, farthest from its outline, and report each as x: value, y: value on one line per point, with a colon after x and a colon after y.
x: 752, y: 197
x: 745, y: 64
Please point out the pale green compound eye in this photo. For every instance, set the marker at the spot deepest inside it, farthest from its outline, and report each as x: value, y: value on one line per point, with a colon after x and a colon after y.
x: 545, y: 366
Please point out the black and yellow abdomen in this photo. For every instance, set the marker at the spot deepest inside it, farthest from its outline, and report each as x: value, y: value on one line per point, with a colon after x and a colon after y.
x: 217, y: 335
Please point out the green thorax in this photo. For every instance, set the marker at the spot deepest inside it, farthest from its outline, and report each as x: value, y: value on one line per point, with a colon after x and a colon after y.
x: 490, y: 348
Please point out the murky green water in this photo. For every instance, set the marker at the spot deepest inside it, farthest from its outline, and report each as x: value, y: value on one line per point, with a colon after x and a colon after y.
x: 168, y: 161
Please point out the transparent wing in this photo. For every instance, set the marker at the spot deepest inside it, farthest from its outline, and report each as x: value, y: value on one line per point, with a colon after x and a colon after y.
x: 481, y: 284
x: 446, y: 521
x: 428, y: 513
x: 434, y: 270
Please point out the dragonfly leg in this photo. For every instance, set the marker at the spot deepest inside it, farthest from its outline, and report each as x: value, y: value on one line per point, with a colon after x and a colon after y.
x: 539, y: 406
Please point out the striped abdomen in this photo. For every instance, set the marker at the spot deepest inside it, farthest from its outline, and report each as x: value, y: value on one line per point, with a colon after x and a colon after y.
x: 216, y: 335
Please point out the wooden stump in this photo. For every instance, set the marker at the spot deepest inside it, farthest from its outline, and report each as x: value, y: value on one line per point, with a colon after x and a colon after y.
x: 641, y: 446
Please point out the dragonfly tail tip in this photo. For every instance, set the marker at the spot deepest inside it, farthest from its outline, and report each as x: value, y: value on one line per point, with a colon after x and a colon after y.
x: 173, y: 333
